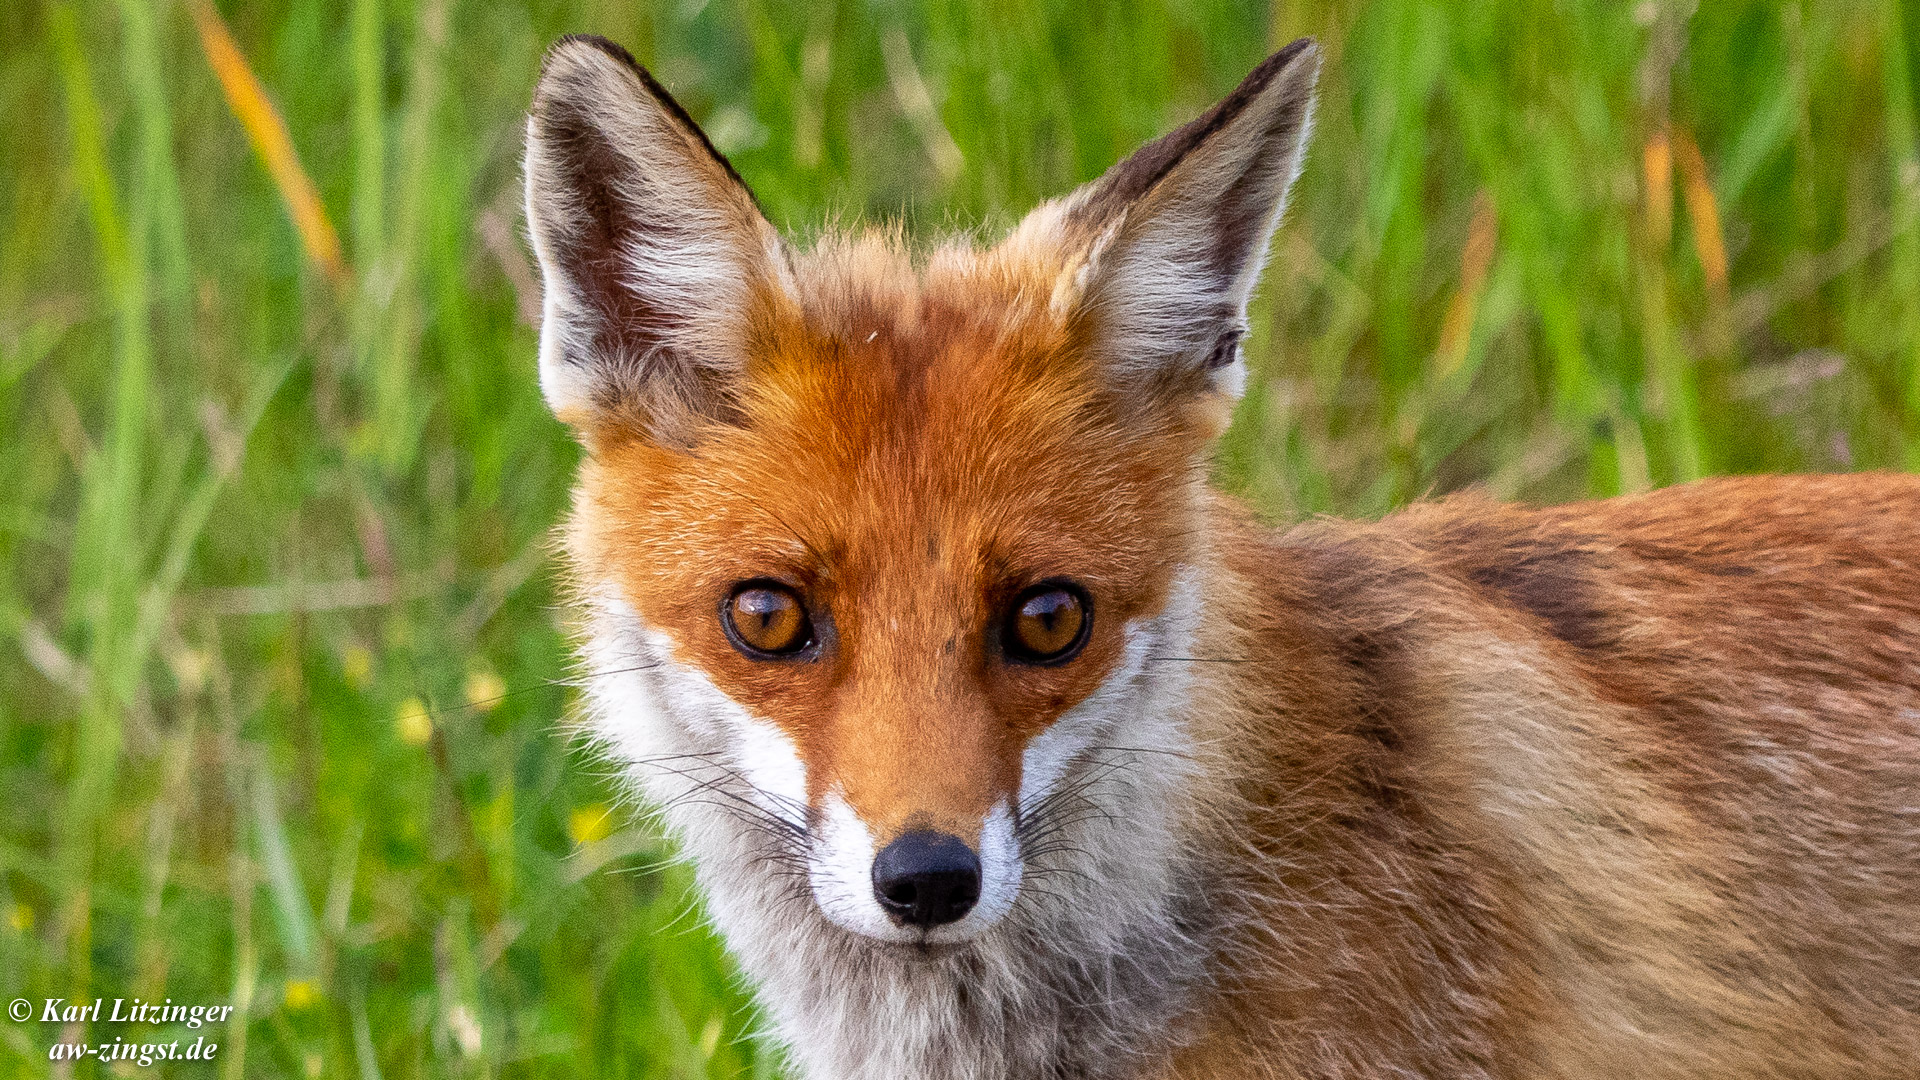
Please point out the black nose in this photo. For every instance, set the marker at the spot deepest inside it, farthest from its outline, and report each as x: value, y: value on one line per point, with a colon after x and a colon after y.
x: 926, y: 878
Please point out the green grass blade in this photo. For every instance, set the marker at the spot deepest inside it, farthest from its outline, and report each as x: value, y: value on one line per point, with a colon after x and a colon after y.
x: 290, y: 907
x: 106, y: 552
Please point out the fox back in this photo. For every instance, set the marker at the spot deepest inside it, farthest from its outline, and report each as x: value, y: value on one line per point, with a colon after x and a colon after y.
x: 1003, y: 747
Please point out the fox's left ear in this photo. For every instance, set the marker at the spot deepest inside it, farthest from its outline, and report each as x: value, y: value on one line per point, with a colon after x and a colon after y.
x: 1160, y: 255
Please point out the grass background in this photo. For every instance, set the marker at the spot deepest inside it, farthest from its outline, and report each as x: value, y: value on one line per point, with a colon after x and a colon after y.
x: 280, y: 699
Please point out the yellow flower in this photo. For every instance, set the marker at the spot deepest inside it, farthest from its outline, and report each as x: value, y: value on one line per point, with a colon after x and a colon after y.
x: 589, y: 823
x: 356, y: 665
x: 413, y: 723
x: 20, y: 917
x: 484, y: 690
x: 301, y: 993
x: 190, y: 667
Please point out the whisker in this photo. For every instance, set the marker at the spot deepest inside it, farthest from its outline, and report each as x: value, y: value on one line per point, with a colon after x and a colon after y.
x: 1077, y: 788
x: 759, y: 812
x: 1145, y: 750
x: 793, y: 807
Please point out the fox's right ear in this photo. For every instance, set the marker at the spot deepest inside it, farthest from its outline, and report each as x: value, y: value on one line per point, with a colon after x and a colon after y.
x: 656, y: 261
x: 1158, y: 258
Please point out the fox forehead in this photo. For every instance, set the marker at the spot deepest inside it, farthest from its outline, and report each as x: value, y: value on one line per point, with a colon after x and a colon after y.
x: 934, y: 420
x: 910, y: 447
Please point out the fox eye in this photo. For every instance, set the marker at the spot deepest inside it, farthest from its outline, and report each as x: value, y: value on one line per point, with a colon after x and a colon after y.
x: 1047, y: 624
x: 765, y: 620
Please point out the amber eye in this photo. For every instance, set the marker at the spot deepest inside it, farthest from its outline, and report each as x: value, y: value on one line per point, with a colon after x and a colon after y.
x: 765, y: 619
x: 1047, y: 624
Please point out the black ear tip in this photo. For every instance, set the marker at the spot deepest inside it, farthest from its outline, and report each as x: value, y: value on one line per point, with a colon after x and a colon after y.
x: 1301, y: 55
x: 1295, y: 47
x: 561, y: 86
x: 573, y: 42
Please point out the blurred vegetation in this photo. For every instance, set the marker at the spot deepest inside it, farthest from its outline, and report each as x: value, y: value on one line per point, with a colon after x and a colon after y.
x: 281, y: 715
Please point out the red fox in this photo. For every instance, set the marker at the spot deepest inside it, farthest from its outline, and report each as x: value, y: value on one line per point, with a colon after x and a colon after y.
x: 1003, y: 747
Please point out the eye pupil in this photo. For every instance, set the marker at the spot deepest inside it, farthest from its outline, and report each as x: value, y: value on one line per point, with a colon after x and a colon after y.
x: 765, y: 620
x: 1047, y: 624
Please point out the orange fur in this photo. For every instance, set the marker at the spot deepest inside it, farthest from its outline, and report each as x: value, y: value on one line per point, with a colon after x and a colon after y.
x: 1732, y: 668
x: 903, y: 451
x: 1623, y: 788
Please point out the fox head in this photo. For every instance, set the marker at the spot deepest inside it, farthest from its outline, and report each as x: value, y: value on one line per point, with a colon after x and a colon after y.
x: 888, y: 554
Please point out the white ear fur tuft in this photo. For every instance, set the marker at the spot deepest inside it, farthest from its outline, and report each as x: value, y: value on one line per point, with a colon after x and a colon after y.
x: 652, y: 251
